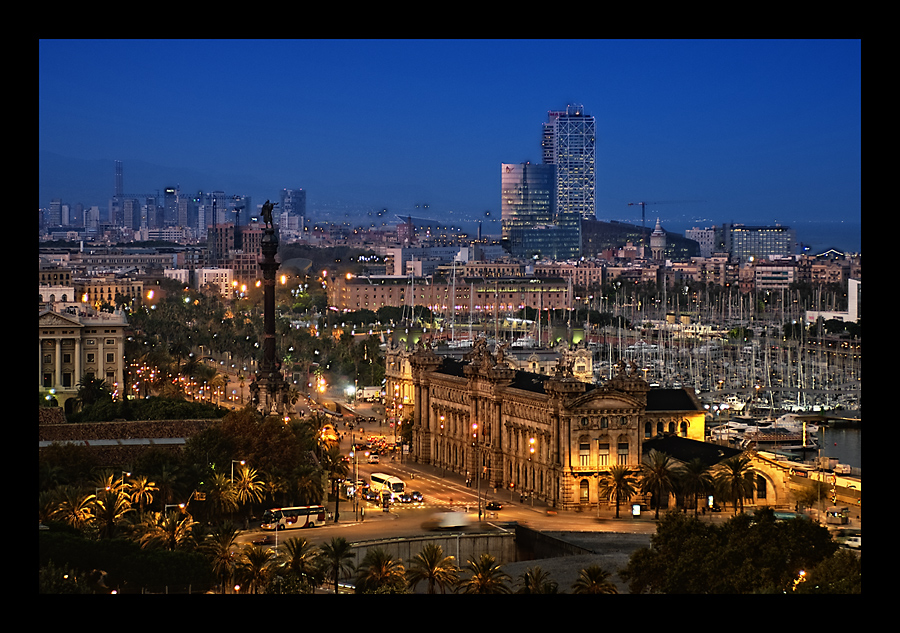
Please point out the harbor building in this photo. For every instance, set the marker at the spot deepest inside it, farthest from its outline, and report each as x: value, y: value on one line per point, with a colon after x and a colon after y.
x: 546, y: 436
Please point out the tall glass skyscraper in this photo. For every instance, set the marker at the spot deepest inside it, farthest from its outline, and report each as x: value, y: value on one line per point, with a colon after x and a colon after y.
x: 531, y: 222
x: 568, y: 142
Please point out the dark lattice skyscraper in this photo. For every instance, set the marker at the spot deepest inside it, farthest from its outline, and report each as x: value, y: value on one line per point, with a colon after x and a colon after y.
x: 568, y: 142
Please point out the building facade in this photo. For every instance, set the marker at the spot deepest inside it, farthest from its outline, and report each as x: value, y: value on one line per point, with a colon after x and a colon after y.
x: 568, y: 142
x: 75, y: 340
x: 549, y: 437
x: 531, y: 222
x: 746, y: 243
x: 475, y: 295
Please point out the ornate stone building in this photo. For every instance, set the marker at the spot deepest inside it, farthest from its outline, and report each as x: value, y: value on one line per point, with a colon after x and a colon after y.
x: 75, y: 340
x: 544, y: 435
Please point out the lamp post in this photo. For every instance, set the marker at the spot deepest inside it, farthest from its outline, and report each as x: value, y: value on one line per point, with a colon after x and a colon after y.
x: 441, y: 451
x: 233, y: 462
x: 531, y: 441
x: 476, y: 453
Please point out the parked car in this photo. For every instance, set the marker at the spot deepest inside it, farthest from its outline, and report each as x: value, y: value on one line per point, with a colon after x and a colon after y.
x: 494, y: 505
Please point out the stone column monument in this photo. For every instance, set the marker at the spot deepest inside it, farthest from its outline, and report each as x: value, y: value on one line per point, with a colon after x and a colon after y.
x: 273, y: 390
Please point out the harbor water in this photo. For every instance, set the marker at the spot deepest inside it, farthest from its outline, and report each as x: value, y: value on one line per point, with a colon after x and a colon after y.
x: 843, y: 444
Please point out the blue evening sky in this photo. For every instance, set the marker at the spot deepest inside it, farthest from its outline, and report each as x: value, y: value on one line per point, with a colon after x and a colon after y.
x: 757, y: 131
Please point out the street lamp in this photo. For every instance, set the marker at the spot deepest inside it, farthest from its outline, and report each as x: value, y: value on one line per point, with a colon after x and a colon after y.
x: 531, y: 441
x: 233, y: 462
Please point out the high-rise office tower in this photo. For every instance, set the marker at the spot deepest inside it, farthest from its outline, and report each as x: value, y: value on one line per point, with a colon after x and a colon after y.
x: 531, y: 221
x: 170, y: 207
x: 120, y: 181
x: 293, y: 202
x: 568, y: 142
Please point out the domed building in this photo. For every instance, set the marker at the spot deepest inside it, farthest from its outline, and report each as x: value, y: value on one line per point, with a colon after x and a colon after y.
x: 658, y: 243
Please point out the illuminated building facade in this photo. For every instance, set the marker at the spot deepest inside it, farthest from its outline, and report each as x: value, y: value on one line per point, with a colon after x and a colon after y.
x: 568, y: 142
x: 544, y: 436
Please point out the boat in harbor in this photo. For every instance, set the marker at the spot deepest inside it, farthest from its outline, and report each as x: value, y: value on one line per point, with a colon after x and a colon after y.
x: 788, y: 432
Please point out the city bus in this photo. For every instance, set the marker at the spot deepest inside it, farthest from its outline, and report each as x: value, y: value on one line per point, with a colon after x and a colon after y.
x: 382, y: 483
x: 290, y: 518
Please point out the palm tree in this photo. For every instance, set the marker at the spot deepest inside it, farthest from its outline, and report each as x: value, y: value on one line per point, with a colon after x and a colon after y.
x: 221, y: 497
x: 485, y: 577
x: 379, y: 571
x: 248, y: 487
x: 91, y: 390
x: 168, y: 481
x: 74, y: 507
x: 696, y: 480
x: 171, y: 530
x: 337, y: 555
x: 658, y: 472
x: 142, y: 490
x: 218, y: 544
x: 301, y: 560
x: 736, y: 478
x: 432, y: 566
x: 253, y: 566
x: 309, y: 488
x: 594, y: 579
x: 111, y: 506
x: 618, y: 482
x: 536, y: 580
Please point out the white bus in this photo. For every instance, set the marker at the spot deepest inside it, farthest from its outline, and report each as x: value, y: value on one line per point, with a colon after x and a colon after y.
x: 290, y: 518
x: 382, y: 483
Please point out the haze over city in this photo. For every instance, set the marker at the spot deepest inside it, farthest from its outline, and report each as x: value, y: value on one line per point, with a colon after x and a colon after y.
x: 754, y: 132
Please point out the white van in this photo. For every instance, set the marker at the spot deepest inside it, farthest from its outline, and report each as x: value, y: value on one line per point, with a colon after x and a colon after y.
x: 373, y: 458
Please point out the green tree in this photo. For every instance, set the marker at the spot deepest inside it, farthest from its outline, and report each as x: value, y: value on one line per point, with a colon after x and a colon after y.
x: 168, y: 530
x: 221, y: 496
x: 110, y: 510
x: 594, y: 579
x: 433, y: 567
x: 92, y: 390
x: 142, y: 490
x: 253, y: 566
x: 618, y: 483
x: 74, y: 507
x: 658, y: 475
x: 248, y: 487
x: 536, y: 580
x: 839, y: 573
x: 337, y: 557
x: 301, y: 560
x: 485, y: 577
x: 696, y: 480
x: 219, y: 545
x: 380, y: 573
x: 736, y: 479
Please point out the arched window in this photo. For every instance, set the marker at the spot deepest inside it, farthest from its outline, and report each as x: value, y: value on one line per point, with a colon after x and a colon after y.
x: 672, y: 428
x: 684, y: 428
x: 659, y: 427
x: 585, y: 489
x: 647, y: 430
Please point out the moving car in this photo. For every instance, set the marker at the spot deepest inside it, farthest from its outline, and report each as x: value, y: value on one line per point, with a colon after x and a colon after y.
x: 447, y: 521
x: 416, y: 496
x: 494, y: 505
x: 266, y: 539
x: 853, y: 542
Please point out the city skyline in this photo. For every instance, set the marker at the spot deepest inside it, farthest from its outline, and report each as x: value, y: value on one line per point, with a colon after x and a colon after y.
x: 756, y: 132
